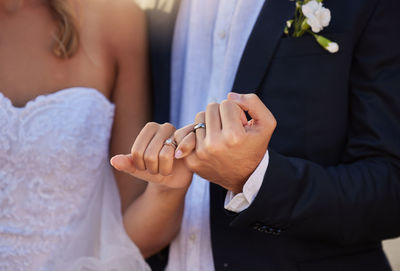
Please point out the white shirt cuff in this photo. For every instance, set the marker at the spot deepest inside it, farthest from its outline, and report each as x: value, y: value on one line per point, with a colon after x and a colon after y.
x: 240, y: 202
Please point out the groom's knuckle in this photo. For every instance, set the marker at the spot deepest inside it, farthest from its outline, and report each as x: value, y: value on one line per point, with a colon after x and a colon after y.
x: 207, y: 144
x: 226, y: 103
x: 252, y: 98
x: 230, y: 143
x: 212, y: 147
x: 212, y: 105
x: 200, y: 116
x: 271, y: 124
x: 234, y: 140
x: 230, y: 137
x: 208, y: 148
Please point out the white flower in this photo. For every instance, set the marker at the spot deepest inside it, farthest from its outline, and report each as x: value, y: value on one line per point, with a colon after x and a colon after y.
x: 332, y: 47
x: 317, y: 16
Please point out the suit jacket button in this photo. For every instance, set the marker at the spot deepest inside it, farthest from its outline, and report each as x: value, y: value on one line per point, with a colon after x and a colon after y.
x: 256, y: 226
x: 263, y: 229
x: 271, y: 230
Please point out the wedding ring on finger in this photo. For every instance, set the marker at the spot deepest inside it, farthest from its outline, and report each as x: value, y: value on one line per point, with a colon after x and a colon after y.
x: 198, y: 126
x: 171, y: 142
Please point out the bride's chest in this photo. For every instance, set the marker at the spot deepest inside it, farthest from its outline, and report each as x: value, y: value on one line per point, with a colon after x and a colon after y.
x: 53, y: 155
x: 64, y: 128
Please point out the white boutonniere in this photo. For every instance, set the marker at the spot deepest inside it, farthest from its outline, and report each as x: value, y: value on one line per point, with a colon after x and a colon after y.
x: 311, y: 17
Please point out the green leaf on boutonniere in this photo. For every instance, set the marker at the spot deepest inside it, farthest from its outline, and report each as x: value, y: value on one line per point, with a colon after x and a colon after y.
x: 330, y: 46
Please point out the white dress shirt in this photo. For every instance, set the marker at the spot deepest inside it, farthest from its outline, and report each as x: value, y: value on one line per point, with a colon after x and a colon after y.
x: 210, y: 38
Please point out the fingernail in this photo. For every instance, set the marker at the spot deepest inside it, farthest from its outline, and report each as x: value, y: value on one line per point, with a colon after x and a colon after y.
x: 112, y: 160
x: 178, y: 154
x: 234, y: 96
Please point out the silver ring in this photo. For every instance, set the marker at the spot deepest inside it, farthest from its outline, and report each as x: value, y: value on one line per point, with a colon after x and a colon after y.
x: 198, y: 126
x: 171, y: 142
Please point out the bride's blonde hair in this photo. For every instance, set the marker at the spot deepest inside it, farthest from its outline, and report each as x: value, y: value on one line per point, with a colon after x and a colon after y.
x: 67, y: 36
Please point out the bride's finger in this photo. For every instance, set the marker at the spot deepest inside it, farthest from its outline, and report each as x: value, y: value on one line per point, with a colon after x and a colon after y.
x: 123, y: 162
x: 186, y: 147
x: 151, y: 155
x: 142, y: 141
x: 166, y: 160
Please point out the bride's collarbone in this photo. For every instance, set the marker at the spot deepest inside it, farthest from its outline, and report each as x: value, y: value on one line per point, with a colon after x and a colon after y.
x: 21, y: 81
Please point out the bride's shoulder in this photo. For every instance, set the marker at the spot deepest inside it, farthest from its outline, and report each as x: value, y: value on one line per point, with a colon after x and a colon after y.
x: 119, y: 11
x: 109, y: 8
x: 119, y: 22
x: 106, y: 10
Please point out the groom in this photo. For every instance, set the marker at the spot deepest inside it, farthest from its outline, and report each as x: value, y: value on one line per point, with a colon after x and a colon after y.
x: 321, y: 190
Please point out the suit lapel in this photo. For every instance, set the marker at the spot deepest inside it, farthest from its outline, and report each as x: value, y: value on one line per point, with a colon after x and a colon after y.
x: 262, y: 43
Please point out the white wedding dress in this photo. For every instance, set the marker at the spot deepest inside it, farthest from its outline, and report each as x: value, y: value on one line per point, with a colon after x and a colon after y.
x: 59, y: 204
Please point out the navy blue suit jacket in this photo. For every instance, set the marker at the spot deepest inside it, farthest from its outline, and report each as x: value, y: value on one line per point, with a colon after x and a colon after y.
x: 332, y: 189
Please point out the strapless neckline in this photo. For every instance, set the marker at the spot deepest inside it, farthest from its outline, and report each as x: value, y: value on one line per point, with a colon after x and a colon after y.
x: 44, y: 97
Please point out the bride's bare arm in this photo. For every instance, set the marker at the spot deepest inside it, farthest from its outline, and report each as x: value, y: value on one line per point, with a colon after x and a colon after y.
x: 127, y: 43
x: 160, y: 207
x: 152, y: 215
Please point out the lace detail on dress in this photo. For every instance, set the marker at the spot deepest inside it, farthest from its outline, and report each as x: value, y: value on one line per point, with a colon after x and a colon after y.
x: 52, y: 155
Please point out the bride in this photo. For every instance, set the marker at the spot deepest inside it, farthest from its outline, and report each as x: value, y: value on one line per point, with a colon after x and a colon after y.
x: 73, y: 92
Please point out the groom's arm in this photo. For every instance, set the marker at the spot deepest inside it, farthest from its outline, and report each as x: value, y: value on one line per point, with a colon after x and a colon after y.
x: 359, y: 199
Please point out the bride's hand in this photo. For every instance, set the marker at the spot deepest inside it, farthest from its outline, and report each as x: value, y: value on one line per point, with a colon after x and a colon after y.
x: 153, y: 160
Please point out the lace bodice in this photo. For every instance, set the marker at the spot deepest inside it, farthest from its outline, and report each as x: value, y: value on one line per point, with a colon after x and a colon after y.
x: 53, y: 165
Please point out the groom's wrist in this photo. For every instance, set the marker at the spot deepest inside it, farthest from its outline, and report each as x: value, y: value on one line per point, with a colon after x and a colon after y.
x: 258, y: 172
x: 240, y: 201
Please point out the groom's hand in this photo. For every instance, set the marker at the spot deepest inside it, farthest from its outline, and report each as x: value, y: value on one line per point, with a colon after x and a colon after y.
x: 230, y: 148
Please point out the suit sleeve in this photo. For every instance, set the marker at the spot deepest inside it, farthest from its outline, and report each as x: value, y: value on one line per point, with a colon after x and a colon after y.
x: 357, y: 200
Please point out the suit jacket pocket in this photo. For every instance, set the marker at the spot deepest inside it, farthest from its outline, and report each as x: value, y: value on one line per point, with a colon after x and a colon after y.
x: 307, y: 45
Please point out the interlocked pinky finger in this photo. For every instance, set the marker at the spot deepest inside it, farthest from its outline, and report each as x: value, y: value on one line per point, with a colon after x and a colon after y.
x: 201, y: 132
x: 187, y: 146
x: 181, y: 133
